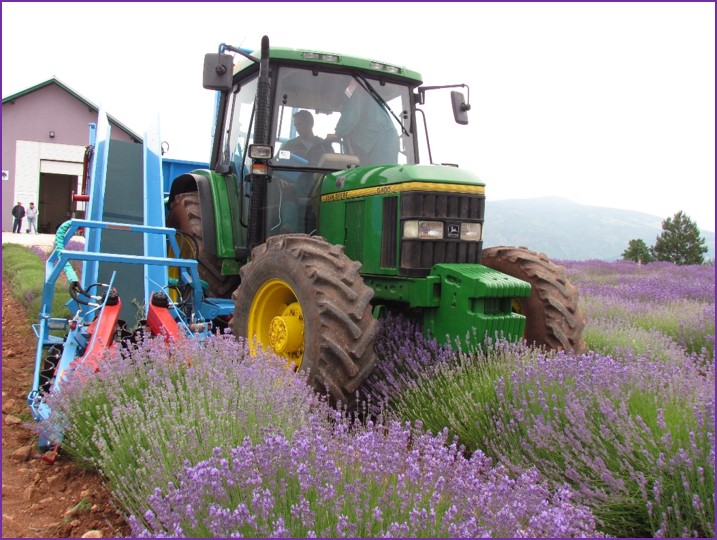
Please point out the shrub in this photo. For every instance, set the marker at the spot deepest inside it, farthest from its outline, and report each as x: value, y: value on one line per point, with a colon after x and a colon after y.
x: 621, y: 432
x: 348, y: 480
x: 153, y: 409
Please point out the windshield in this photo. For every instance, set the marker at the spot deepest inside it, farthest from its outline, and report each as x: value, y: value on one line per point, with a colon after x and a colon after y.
x: 321, y: 122
x: 335, y: 121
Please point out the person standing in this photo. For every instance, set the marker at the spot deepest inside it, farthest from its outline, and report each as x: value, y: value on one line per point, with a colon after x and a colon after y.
x: 18, y: 212
x: 31, y: 216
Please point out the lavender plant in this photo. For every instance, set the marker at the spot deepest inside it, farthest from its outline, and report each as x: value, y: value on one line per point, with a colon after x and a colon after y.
x: 617, y: 337
x: 675, y: 301
x: 154, y: 409
x: 72, y: 245
x: 405, y: 354
x: 283, y: 463
x: 349, y: 480
x: 655, y: 282
x: 629, y: 427
x: 633, y: 436
x: 627, y: 431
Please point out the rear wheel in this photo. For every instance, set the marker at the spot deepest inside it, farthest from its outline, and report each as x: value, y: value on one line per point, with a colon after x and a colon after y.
x: 553, y: 318
x: 185, y: 215
x: 305, y: 300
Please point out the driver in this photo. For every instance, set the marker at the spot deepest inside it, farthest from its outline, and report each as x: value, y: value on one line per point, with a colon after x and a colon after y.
x: 306, y: 145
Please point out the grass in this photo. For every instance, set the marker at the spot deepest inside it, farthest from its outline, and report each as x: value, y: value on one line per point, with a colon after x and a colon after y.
x: 24, y: 272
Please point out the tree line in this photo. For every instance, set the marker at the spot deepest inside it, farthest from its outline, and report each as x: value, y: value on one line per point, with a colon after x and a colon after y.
x: 680, y: 242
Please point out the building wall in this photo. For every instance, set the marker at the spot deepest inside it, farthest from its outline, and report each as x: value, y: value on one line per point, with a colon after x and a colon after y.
x: 28, y: 149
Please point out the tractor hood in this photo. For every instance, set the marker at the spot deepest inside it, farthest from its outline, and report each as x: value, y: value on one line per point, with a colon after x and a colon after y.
x: 383, y: 180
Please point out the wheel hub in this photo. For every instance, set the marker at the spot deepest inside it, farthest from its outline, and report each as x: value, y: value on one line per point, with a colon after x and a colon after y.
x: 286, y: 331
x: 276, y: 321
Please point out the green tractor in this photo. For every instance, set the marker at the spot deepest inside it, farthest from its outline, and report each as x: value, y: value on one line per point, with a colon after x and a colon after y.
x: 317, y: 218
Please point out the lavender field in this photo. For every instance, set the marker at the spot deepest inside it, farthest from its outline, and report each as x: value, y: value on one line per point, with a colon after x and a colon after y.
x: 504, y: 441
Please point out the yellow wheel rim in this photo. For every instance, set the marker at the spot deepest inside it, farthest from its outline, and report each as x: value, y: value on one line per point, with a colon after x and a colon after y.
x: 276, y: 322
x: 517, y: 309
x: 185, y: 252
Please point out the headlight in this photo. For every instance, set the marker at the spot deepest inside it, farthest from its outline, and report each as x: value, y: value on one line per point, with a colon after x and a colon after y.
x: 471, y: 232
x: 385, y: 67
x: 320, y: 56
x: 259, y: 151
x: 424, y: 230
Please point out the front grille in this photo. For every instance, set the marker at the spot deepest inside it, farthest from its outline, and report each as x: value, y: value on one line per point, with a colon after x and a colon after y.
x: 442, y: 206
x: 419, y: 256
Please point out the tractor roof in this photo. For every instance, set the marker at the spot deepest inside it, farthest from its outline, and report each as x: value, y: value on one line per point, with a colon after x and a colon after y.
x: 332, y: 59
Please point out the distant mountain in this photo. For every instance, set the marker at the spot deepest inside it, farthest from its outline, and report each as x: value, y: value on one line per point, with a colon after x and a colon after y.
x: 567, y: 230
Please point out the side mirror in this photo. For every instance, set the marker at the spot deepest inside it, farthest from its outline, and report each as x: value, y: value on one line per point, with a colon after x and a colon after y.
x: 218, y: 71
x: 460, y: 107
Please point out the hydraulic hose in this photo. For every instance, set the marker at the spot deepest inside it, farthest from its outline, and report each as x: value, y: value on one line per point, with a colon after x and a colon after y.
x: 60, y: 245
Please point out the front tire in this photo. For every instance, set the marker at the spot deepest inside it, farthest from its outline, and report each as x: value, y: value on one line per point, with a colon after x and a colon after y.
x: 553, y: 318
x: 305, y: 300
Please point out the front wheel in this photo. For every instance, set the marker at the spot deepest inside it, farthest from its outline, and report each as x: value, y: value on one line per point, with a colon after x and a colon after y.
x: 305, y: 300
x: 553, y: 318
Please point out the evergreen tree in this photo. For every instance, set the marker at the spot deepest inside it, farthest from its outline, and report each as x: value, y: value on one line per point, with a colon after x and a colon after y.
x: 680, y: 241
x: 637, y: 251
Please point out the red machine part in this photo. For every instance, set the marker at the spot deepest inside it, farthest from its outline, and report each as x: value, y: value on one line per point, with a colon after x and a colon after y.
x: 159, y: 320
x: 102, y: 331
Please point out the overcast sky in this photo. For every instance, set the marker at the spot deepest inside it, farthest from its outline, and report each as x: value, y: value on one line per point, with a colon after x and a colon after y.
x: 607, y: 104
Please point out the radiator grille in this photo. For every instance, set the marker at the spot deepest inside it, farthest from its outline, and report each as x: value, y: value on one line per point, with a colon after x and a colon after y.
x: 419, y: 256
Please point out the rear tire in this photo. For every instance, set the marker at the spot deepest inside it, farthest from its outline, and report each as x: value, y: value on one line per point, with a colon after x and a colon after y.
x: 334, y: 306
x: 553, y: 318
x: 185, y: 215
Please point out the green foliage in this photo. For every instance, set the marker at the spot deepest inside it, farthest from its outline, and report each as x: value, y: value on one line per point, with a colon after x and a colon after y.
x: 600, y: 424
x: 455, y: 395
x: 170, y: 408
x: 637, y: 251
x: 25, y: 273
x: 662, y: 330
x: 680, y: 241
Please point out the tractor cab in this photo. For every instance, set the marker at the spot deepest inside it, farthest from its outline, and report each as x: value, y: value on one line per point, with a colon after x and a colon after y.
x: 325, y: 113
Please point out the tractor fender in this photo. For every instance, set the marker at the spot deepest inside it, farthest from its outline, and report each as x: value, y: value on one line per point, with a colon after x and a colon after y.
x: 191, y: 182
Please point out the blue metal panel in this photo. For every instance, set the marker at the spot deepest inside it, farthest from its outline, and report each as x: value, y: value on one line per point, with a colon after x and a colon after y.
x: 172, y: 168
x: 155, y: 277
x: 95, y: 205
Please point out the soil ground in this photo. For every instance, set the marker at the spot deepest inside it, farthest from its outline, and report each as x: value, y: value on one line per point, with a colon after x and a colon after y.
x: 39, y: 499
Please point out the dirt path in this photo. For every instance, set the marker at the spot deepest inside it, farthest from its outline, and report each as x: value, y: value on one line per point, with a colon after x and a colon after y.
x: 38, y: 499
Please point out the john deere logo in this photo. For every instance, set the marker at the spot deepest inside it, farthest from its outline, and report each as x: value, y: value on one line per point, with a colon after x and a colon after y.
x: 454, y: 230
